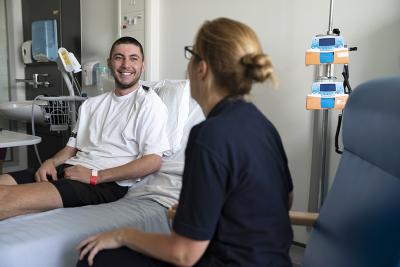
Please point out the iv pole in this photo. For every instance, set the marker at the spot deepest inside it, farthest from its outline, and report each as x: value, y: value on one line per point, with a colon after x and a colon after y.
x: 327, y: 71
x: 327, y: 94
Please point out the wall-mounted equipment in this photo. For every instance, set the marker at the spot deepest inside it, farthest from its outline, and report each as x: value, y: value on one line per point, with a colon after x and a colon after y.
x: 26, y: 50
x: 68, y: 61
x: 89, y: 73
x: 35, y: 82
x: 103, y: 81
x: 132, y: 19
x: 44, y: 40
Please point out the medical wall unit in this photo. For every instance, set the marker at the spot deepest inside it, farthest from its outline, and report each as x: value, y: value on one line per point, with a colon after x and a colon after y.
x: 132, y: 19
x: 44, y: 40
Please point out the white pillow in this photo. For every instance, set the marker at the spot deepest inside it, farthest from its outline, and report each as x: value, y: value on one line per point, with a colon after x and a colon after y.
x: 176, y: 95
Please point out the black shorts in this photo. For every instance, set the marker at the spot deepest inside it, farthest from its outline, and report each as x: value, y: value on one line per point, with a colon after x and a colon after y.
x: 74, y: 193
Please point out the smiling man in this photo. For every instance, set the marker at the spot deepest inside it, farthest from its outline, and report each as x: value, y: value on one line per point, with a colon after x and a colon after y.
x: 119, y: 138
x: 127, y: 64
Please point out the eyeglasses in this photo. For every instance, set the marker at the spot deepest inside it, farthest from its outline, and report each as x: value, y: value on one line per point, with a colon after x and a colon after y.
x: 189, y: 52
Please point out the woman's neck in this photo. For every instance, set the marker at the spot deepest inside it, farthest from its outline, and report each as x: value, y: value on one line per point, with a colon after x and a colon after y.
x: 207, y: 104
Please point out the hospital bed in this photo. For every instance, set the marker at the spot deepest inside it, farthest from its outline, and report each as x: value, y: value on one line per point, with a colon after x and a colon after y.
x: 50, y: 238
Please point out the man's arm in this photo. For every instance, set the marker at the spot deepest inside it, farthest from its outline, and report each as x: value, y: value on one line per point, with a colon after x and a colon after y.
x: 49, y: 166
x: 61, y: 156
x: 135, y: 169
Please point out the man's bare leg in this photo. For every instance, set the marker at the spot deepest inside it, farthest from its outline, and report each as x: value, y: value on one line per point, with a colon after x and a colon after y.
x: 6, y: 179
x: 28, y: 198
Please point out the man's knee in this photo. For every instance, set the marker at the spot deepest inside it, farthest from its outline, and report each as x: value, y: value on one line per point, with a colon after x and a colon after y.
x: 6, y: 179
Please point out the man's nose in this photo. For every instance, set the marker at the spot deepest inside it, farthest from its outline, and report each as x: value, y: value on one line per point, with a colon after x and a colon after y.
x: 125, y: 63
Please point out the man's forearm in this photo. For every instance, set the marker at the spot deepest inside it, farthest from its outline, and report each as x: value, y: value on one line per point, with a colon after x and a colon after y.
x: 134, y: 169
x: 61, y: 156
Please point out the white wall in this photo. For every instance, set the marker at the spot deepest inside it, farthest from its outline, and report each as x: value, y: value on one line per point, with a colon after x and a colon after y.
x: 285, y: 29
x: 99, y: 29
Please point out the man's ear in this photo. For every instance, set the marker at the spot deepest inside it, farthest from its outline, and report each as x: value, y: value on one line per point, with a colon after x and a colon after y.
x: 109, y: 63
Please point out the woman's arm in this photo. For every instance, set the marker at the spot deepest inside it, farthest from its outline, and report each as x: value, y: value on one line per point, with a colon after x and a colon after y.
x: 172, y: 248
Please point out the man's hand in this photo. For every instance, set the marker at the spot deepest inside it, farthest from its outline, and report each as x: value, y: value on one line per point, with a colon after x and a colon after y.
x: 78, y: 173
x: 47, y: 168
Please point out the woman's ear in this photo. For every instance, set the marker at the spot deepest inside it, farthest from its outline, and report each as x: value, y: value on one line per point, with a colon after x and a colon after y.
x: 202, y: 69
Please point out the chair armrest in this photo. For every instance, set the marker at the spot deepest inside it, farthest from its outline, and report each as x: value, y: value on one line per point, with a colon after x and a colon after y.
x: 296, y: 217
x: 303, y: 218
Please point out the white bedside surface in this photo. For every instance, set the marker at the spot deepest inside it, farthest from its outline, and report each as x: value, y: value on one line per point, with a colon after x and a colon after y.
x: 11, y: 139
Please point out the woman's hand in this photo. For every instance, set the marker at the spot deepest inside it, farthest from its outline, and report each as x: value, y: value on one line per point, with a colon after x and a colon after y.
x: 78, y: 173
x: 92, y: 245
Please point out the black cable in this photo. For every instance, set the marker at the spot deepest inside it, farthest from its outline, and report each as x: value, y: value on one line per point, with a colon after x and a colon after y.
x: 347, y: 90
x: 339, y: 125
x: 346, y: 76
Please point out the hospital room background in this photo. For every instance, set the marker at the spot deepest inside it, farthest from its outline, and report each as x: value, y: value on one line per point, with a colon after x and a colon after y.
x: 285, y: 28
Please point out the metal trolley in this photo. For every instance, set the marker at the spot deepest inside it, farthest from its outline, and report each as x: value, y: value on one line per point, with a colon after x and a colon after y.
x: 60, y: 112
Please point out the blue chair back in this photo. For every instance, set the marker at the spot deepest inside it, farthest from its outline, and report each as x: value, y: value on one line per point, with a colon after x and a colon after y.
x: 359, y: 222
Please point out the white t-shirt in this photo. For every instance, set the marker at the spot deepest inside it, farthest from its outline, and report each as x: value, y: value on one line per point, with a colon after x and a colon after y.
x: 113, y: 130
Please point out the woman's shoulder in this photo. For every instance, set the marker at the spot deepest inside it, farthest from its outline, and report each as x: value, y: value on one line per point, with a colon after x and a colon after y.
x: 210, y: 131
x: 237, y: 123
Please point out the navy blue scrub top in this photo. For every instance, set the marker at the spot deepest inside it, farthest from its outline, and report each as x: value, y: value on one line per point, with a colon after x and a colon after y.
x: 235, y: 189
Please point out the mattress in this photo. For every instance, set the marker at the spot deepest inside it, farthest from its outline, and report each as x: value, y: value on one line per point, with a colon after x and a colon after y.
x: 50, y: 238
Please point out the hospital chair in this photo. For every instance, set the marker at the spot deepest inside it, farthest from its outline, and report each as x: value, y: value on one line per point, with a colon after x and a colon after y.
x: 359, y: 222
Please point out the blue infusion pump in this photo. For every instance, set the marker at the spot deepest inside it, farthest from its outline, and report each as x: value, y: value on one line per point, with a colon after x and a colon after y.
x: 327, y: 89
x: 327, y: 42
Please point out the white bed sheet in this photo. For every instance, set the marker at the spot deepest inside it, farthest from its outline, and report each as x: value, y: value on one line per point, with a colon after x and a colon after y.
x: 49, y: 238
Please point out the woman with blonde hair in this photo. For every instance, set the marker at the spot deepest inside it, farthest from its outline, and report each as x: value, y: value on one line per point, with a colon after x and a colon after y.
x: 233, y: 207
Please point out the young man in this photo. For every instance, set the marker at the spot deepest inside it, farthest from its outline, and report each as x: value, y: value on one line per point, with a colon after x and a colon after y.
x: 119, y: 137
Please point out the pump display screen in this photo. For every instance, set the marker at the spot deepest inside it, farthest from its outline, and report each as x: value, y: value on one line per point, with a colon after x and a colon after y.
x: 326, y: 41
x: 327, y: 87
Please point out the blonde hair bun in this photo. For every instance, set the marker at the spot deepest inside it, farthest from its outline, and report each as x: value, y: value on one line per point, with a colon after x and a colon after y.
x: 258, y: 67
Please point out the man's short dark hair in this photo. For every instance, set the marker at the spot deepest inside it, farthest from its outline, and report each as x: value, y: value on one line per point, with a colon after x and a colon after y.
x: 127, y: 40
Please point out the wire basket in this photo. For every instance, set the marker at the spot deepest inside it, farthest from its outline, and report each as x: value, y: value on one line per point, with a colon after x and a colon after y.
x: 60, y: 111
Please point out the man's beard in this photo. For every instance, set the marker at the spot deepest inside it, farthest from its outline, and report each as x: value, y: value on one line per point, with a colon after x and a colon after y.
x: 126, y: 86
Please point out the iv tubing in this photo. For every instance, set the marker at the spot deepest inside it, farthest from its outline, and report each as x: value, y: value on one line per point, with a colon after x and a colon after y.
x: 33, y: 129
